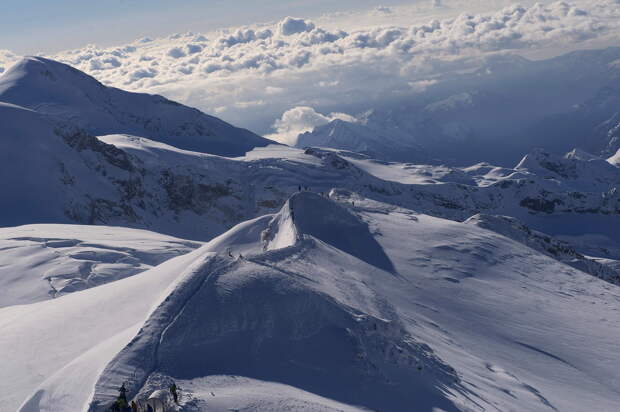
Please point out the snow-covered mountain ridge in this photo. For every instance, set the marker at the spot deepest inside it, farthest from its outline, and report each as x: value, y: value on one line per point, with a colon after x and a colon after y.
x: 133, y: 181
x: 140, y: 183
x: 145, y: 184
x: 465, y: 319
x: 65, y: 94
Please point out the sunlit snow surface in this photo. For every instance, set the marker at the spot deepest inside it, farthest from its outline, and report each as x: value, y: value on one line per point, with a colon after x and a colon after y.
x: 522, y: 331
x: 41, y: 262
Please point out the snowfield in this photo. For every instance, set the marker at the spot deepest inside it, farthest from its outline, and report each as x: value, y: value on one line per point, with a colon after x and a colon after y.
x: 407, y: 311
x: 41, y: 262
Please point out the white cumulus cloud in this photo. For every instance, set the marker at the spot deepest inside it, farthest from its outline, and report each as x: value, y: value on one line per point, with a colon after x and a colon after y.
x: 290, y: 26
x: 302, y: 119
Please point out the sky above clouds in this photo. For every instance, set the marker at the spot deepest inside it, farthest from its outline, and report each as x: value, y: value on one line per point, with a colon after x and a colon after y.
x: 35, y: 26
x: 280, y: 75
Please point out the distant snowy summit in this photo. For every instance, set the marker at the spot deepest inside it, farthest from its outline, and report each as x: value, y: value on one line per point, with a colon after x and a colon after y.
x: 67, y: 95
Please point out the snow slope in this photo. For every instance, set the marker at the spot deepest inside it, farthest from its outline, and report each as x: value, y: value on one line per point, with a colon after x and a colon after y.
x: 230, y: 393
x: 468, y: 320
x: 463, y: 319
x: 268, y: 315
x: 559, y: 250
x: 41, y: 262
x: 615, y: 159
x: 135, y: 181
x: 53, y: 351
x: 68, y: 95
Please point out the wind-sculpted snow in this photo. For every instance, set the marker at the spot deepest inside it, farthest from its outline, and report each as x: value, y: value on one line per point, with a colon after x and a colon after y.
x: 52, y: 352
x: 310, y: 214
x: 316, y: 216
x: 318, y: 319
x: 41, y: 262
x: 252, y: 395
x: 562, y: 251
x: 468, y: 320
x: 615, y: 159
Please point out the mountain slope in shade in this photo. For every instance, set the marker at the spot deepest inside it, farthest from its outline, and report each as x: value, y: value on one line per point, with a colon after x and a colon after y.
x: 132, y: 181
x: 68, y: 95
x: 561, y: 251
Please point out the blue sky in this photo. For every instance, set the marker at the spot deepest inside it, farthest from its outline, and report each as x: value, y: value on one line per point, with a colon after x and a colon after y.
x: 31, y: 26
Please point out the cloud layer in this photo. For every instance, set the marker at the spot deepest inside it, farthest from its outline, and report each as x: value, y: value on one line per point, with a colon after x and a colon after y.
x: 302, y: 119
x: 252, y: 75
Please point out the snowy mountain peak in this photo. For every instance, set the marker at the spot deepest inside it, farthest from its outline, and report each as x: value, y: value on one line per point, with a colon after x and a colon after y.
x: 615, y: 159
x: 533, y: 159
x: 34, y: 81
x: 69, y: 96
x: 578, y: 154
x: 577, y: 165
x: 308, y: 214
x: 359, y: 137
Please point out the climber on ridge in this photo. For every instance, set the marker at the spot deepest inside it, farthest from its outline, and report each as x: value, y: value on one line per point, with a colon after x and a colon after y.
x: 173, y: 391
x: 121, y: 405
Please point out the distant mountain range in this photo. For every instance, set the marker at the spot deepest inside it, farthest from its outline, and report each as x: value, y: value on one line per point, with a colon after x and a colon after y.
x: 506, y: 107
